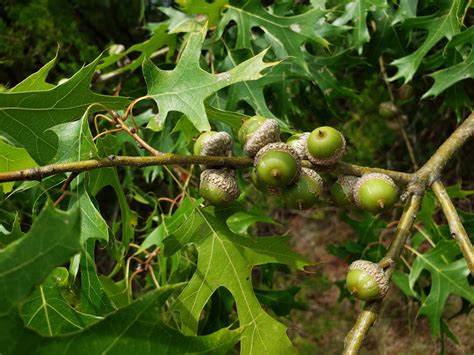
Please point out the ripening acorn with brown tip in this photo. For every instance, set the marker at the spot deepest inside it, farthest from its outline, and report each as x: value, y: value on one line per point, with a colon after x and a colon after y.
x: 375, y: 192
x: 325, y: 146
x: 277, y: 165
x: 366, y: 280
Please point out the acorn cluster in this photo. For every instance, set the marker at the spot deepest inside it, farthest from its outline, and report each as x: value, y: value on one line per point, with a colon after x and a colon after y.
x: 278, y: 168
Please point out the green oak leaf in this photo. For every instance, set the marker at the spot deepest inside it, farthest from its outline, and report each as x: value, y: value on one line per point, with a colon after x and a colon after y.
x: 445, y: 78
x: 280, y: 301
x: 10, y: 229
x: 406, y: 9
x: 185, y: 88
x: 36, y: 81
x: 158, y: 39
x: 443, y: 25
x: 226, y: 260
x: 94, y: 298
x: 26, y: 116
x: 75, y: 141
x: 212, y: 9
x: 52, y: 239
x: 13, y: 158
x: 287, y: 33
x: 448, y: 276
x: 47, y: 312
x: 137, y: 328
x: 356, y: 11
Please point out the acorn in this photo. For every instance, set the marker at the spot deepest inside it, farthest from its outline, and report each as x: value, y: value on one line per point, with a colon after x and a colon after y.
x: 325, y: 146
x: 375, y: 192
x: 219, y: 186
x: 366, y: 280
x: 257, y: 132
x: 304, y: 193
x: 277, y: 164
x: 260, y: 185
x: 406, y: 92
x: 388, y: 109
x: 298, y: 143
x: 213, y: 144
x: 342, y: 190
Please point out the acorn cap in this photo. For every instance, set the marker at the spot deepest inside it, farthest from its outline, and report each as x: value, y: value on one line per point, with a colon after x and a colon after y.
x: 375, y: 271
x: 298, y: 143
x: 331, y: 160
x: 282, y: 147
x: 216, y: 144
x: 222, y: 181
x: 366, y: 178
x: 312, y: 174
x: 268, y: 132
x: 344, y: 184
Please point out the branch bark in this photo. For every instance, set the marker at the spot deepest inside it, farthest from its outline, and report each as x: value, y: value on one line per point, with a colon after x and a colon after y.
x: 431, y: 171
x: 455, y: 226
x: 175, y: 159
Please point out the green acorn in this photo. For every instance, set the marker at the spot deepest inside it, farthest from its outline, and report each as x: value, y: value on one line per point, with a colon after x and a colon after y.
x: 257, y: 132
x: 298, y: 142
x: 277, y: 165
x: 325, y: 146
x: 375, y: 192
x: 213, y: 144
x: 304, y: 193
x: 388, y: 109
x: 342, y: 190
x: 219, y: 186
x: 366, y: 280
x: 260, y: 185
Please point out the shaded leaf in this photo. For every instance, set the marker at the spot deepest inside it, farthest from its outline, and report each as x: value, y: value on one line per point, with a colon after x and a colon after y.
x: 448, y: 276
x: 356, y: 12
x: 47, y: 312
x: 52, y: 239
x: 27, y: 116
x: 438, y: 26
x: 280, y: 301
x: 287, y: 33
x: 139, y: 328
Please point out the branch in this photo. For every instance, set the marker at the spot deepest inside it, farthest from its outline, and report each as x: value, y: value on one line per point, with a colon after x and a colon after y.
x: 455, y: 226
x: 369, y: 315
x: 41, y: 172
x: 430, y: 172
x: 85, y: 165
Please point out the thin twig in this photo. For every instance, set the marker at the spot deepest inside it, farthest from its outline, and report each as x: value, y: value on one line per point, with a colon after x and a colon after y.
x: 455, y: 225
x: 110, y: 75
x: 405, y: 137
x: 64, y: 188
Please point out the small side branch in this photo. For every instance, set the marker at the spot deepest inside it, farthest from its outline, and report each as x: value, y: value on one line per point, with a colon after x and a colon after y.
x: 455, y: 226
x: 368, y: 316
